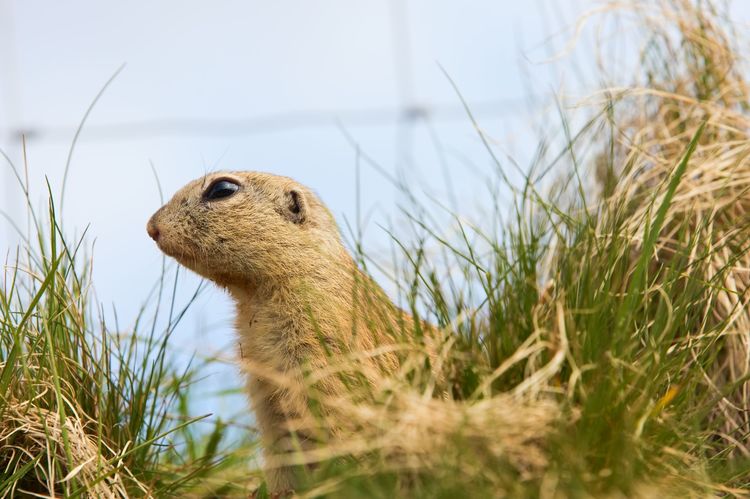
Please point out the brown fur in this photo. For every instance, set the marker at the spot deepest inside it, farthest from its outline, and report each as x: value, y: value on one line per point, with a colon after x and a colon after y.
x: 301, y: 300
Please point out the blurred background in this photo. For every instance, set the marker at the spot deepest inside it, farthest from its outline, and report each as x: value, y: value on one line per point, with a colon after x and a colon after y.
x: 329, y: 92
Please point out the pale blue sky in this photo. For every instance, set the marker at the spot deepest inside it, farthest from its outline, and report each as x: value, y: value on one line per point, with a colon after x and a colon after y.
x: 270, y: 86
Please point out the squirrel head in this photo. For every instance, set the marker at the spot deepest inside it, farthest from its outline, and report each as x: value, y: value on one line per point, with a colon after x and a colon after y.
x: 242, y: 228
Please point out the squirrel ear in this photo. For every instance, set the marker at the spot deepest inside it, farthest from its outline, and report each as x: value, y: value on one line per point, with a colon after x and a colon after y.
x: 295, y: 206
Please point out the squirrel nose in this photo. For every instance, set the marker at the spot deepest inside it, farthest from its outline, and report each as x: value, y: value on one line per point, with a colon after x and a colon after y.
x: 153, y: 230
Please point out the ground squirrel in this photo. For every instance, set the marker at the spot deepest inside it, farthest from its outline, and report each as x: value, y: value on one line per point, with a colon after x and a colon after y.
x: 301, y: 299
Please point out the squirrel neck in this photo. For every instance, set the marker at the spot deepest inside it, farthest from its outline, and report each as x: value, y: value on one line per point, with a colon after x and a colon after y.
x: 285, y: 309
x: 312, y: 276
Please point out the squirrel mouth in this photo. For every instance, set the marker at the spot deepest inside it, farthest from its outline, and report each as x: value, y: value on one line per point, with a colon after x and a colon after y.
x: 186, y: 257
x: 178, y: 251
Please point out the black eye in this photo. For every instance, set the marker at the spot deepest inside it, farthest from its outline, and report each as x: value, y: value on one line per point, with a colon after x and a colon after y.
x: 220, y: 189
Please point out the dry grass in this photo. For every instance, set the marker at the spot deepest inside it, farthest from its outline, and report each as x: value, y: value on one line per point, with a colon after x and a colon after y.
x: 37, y: 434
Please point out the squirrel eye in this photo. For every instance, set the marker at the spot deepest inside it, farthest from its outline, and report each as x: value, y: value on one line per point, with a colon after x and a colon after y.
x: 220, y: 189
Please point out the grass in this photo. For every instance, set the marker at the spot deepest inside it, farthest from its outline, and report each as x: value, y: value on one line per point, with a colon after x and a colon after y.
x: 596, y: 346
x: 86, y: 409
